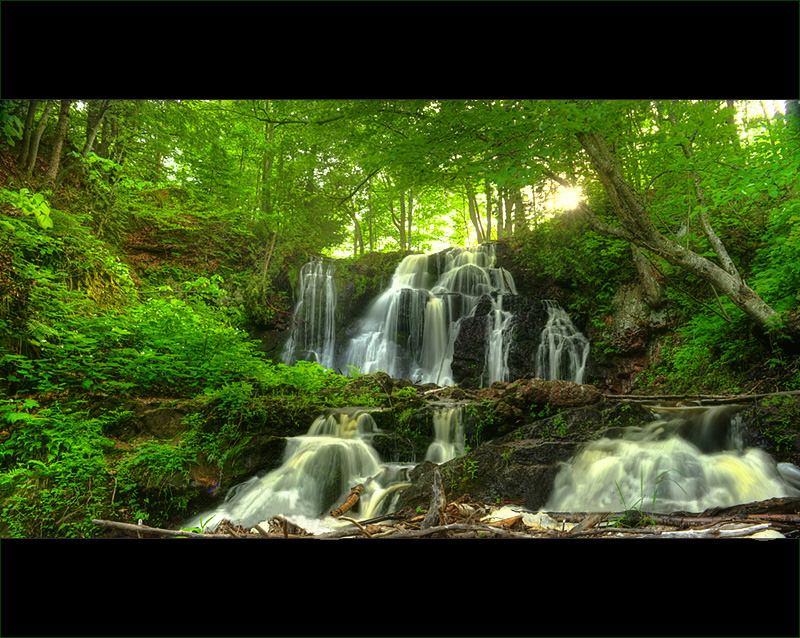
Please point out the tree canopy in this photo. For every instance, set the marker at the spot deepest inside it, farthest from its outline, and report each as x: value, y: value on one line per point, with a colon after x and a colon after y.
x: 706, y: 187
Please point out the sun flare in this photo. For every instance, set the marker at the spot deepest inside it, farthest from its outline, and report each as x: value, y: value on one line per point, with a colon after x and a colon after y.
x: 568, y: 198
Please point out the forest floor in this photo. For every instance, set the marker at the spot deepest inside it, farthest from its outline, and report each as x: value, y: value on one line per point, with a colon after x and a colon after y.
x: 464, y: 518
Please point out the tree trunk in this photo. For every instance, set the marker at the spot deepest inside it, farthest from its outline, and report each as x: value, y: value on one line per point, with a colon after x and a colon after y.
x: 410, y: 215
x: 269, y: 157
x: 33, y: 152
x: 400, y: 222
x: 731, y: 121
x: 650, y: 285
x: 519, y: 211
x: 475, y: 216
x: 793, y: 115
x: 500, y: 214
x: 96, y: 111
x: 716, y: 244
x: 488, y: 190
x: 637, y: 228
x: 509, y: 206
x: 22, y: 158
x: 371, y: 235
x: 358, y: 236
x: 58, y: 143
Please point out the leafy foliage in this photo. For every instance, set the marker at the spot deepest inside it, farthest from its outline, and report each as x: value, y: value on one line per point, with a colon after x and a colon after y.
x: 222, y: 198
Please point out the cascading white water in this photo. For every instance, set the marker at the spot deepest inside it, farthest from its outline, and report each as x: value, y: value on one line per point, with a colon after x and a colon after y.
x: 497, y: 344
x: 313, y: 337
x: 448, y: 431
x: 689, y: 460
x: 318, y: 471
x: 563, y: 349
x: 411, y: 327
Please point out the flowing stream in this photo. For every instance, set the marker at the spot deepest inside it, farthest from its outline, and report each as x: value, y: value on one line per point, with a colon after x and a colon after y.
x: 686, y: 459
x: 321, y: 467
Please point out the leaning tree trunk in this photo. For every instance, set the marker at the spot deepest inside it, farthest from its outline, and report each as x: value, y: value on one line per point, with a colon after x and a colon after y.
x: 637, y: 228
x: 58, y: 143
x: 651, y: 287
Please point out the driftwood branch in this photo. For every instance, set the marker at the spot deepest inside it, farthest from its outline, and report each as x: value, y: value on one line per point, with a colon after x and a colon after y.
x: 349, y: 502
x: 357, y: 524
x: 436, y: 513
x: 146, y: 529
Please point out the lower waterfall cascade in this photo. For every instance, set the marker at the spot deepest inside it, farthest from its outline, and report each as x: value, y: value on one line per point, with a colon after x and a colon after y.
x: 448, y: 428
x: 320, y: 468
x: 686, y: 459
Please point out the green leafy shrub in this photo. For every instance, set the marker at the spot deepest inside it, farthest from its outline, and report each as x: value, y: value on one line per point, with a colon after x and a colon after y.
x: 162, y: 343
x: 30, y: 204
x: 55, y: 476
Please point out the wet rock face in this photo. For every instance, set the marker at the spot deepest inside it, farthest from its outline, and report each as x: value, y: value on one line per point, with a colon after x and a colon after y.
x: 469, y: 351
x: 519, y: 471
x: 256, y: 453
x: 530, y: 318
x: 773, y: 424
x: 631, y: 338
x: 526, y: 395
x: 522, y: 465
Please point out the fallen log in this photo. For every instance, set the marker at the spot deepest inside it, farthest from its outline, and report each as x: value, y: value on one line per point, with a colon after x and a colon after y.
x: 679, y: 521
x: 706, y: 398
x: 716, y: 532
x: 145, y: 529
x: 701, y: 526
x: 450, y: 527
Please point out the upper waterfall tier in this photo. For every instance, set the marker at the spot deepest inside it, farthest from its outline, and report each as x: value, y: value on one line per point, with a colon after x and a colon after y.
x: 410, y: 328
x: 444, y: 318
x: 313, y: 337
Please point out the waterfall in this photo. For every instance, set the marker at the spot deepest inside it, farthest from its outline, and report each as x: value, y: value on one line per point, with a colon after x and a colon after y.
x: 497, y: 344
x: 563, y: 349
x: 313, y: 337
x: 410, y: 329
x: 318, y: 471
x: 448, y: 431
x: 689, y: 459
